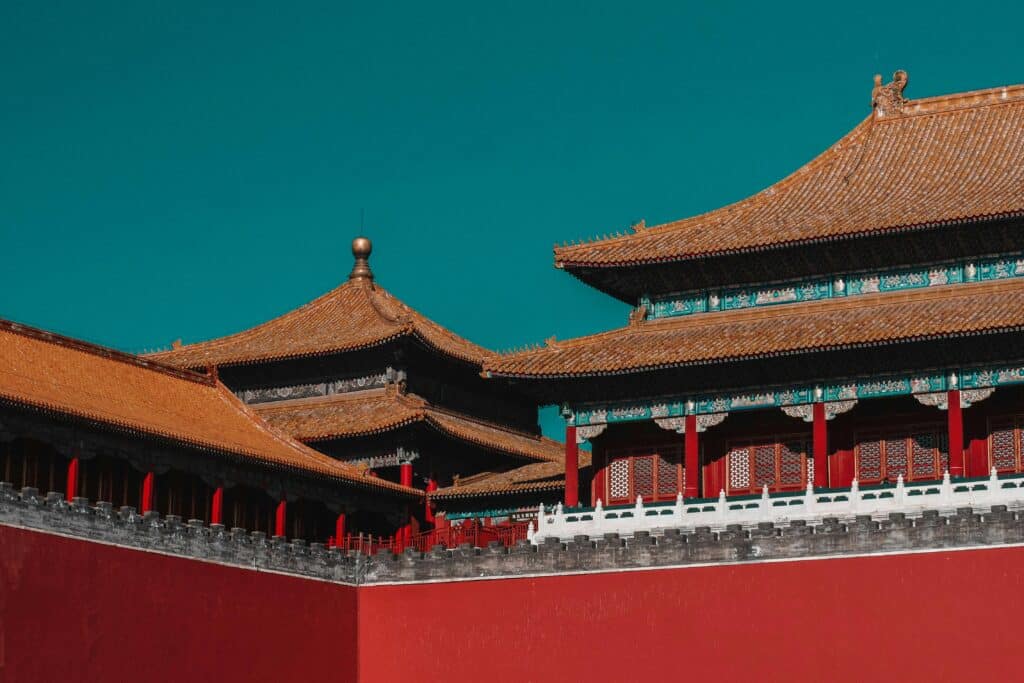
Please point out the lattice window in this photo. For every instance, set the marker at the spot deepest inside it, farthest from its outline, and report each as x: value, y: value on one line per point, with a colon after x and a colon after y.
x: 1003, y: 447
x: 791, y: 464
x: 668, y: 476
x: 619, y: 479
x: 925, y: 456
x: 869, y: 461
x: 764, y: 466
x: 920, y: 456
x: 652, y: 473
x: 896, y: 459
x: 643, y: 477
x: 739, y: 468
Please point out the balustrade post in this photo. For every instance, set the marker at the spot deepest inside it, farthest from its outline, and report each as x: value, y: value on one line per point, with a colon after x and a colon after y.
x: 572, y: 468
x: 339, y: 528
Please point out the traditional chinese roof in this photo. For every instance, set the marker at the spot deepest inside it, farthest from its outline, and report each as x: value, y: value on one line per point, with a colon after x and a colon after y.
x: 912, y: 164
x: 854, y: 322
x: 376, y: 411
x: 49, y: 372
x: 538, y: 477
x: 356, y: 315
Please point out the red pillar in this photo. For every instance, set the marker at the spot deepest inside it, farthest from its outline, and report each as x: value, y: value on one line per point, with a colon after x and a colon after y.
x: 217, y: 506
x: 692, y: 458
x: 147, y: 492
x: 572, y: 468
x: 280, y: 517
x: 956, y: 433
x: 820, y: 447
x: 428, y: 509
x: 339, y: 530
x: 405, y: 474
x: 72, y: 487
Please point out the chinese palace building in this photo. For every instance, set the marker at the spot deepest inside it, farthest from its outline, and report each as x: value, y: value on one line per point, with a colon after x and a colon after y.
x: 365, y: 379
x: 859, y: 321
x: 830, y: 369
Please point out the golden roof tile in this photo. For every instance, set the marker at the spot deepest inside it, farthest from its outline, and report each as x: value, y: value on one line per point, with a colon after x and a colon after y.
x: 912, y: 164
x: 50, y: 372
x: 544, y: 476
x: 382, y: 410
x: 867, y: 320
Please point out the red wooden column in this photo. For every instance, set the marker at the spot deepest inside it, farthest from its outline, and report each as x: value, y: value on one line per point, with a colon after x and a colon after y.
x: 339, y: 530
x: 572, y: 468
x: 217, y: 506
x: 147, y: 492
x: 955, y: 420
x: 820, y: 445
x: 72, y: 485
x: 280, y: 517
x: 428, y: 509
x: 405, y: 474
x: 691, y: 455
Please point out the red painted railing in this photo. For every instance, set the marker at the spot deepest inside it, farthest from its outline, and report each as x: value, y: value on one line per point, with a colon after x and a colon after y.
x: 473, y: 532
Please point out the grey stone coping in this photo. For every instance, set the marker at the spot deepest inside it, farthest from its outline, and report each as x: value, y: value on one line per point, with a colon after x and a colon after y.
x: 967, y: 528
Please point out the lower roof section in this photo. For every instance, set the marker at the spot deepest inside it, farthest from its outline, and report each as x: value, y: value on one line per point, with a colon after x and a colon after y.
x: 535, y: 478
x: 836, y: 324
x: 70, y: 378
x: 377, y: 411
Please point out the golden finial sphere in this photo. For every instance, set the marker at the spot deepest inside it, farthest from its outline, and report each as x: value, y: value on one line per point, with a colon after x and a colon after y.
x: 361, y: 247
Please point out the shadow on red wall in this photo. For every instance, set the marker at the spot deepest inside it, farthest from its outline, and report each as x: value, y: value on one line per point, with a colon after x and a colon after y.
x: 78, y: 611
x: 75, y: 610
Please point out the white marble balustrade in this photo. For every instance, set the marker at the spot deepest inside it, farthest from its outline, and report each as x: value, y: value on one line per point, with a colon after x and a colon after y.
x: 808, y: 505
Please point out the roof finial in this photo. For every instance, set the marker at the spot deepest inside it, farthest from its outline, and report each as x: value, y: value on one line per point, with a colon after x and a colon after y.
x: 361, y: 248
x: 888, y: 99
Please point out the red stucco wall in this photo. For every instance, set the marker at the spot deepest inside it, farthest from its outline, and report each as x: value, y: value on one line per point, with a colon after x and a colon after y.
x: 952, y: 616
x: 78, y: 611
x: 74, y: 610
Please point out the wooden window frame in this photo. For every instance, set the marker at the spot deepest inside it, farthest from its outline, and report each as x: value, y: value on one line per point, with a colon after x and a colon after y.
x: 777, y: 441
x: 1015, y: 422
x: 906, y: 434
x: 671, y: 451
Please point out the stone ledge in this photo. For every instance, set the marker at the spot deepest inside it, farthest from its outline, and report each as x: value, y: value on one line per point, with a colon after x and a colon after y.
x: 967, y: 528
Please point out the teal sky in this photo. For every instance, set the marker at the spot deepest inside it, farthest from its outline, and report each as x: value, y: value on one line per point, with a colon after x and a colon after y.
x: 188, y: 169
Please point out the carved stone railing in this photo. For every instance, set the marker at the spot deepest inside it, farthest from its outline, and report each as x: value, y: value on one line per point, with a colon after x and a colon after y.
x: 808, y: 506
x: 670, y: 546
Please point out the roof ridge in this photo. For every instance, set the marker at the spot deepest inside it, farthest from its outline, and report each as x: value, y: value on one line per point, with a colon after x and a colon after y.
x: 955, y: 102
x: 103, y: 351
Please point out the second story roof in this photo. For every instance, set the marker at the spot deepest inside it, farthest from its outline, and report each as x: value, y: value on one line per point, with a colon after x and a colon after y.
x: 356, y: 315
x: 911, y: 165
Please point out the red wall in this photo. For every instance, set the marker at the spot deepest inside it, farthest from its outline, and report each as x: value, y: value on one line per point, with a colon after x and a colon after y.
x: 75, y: 610
x: 951, y: 616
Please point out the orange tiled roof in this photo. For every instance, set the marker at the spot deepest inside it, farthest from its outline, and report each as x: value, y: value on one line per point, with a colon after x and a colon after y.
x: 925, y: 163
x: 542, y: 476
x: 381, y: 410
x: 868, y: 320
x: 358, y: 314
x: 54, y: 373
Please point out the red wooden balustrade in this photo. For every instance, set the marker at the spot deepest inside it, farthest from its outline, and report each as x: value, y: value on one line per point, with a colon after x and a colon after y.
x: 475, y: 533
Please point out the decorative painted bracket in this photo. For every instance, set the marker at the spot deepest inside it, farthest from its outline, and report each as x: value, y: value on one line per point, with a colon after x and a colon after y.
x: 940, y: 399
x: 832, y: 408
x: 678, y: 424
x: 587, y: 432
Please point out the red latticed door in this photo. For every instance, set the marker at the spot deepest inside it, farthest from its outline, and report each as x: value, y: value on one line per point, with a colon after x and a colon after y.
x: 1005, y: 444
x: 655, y: 474
x: 921, y: 455
x: 780, y: 463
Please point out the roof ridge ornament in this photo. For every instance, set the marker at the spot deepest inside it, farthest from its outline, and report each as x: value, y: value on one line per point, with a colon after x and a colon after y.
x: 361, y: 248
x: 888, y: 99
